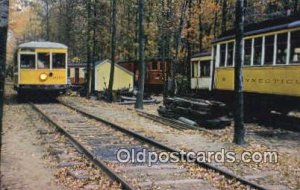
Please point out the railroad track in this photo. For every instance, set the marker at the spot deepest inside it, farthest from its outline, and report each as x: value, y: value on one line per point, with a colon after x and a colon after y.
x: 99, y: 140
x: 174, y: 123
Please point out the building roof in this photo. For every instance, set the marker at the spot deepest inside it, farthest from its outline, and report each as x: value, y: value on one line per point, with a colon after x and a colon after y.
x: 116, y: 65
x: 201, y: 54
x: 48, y: 45
x: 287, y: 22
x: 146, y: 60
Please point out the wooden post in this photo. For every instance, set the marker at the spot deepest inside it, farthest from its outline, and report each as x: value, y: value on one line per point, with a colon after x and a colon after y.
x: 239, y: 129
x: 4, y: 10
x: 113, y: 50
x: 140, y: 95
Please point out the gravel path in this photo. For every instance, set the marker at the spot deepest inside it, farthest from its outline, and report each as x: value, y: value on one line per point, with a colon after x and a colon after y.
x: 22, y: 166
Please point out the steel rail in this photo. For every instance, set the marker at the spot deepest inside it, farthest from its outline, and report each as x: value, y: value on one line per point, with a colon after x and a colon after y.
x: 167, y: 148
x: 101, y: 165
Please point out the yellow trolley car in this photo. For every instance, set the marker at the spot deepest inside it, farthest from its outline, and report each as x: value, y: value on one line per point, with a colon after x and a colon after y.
x: 271, y: 64
x: 41, y: 67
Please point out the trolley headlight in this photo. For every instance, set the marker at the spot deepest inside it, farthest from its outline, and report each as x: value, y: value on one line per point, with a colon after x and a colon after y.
x: 43, y: 77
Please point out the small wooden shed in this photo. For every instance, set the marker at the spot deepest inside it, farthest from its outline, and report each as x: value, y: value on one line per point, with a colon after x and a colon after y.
x: 123, y: 78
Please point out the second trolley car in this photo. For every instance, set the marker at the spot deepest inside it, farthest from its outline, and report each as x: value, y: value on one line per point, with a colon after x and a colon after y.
x: 271, y: 64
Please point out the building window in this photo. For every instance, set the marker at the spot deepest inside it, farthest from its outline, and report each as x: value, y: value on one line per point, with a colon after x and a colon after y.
x: 205, y: 69
x: 27, y: 61
x: 281, y: 48
x: 58, y: 60
x: 248, y: 52
x: 69, y: 72
x: 230, y: 54
x: 223, y: 55
x: 295, y: 47
x: 44, y: 60
x: 257, y: 51
x: 269, y: 50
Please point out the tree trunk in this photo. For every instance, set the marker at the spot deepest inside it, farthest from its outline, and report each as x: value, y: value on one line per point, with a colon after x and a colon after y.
x: 113, y: 50
x: 239, y: 129
x: 88, y: 70
x: 47, y: 21
x: 189, y: 45
x: 224, y: 16
x: 4, y: 9
x: 216, y: 21
x: 177, y: 46
x: 140, y: 95
x: 295, y: 6
x: 94, y: 45
x: 200, y: 28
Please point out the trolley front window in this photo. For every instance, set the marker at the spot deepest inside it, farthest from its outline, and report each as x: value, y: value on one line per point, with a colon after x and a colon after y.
x: 43, y: 60
x: 295, y: 47
x: 27, y: 61
x: 58, y: 60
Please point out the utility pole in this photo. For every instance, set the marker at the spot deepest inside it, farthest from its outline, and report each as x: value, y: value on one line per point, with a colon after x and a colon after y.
x: 113, y: 50
x: 4, y: 10
x: 239, y: 128
x: 140, y: 95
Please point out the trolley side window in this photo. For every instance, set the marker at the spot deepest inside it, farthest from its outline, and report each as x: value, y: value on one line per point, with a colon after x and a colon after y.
x: 58, y: 60
x: 230, y: 54
x: 27, y: 61
x: 248, y: 51
x: 269, y: 50
x: 281, y: 48
x: 223, y: 55
x: 257, y: 51
x: 205, y: 69
x: 43, y: 60
x: 295, y: 47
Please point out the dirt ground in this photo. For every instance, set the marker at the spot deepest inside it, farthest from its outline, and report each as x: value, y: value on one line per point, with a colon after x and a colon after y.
x: 22, y: 164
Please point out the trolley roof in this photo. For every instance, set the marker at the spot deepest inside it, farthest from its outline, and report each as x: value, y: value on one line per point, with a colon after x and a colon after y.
x: 201, y: 54
x: 264, y: 27
x: 48, y: 45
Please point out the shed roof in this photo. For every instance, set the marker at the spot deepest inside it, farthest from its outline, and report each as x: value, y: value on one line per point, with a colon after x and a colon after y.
x: 50, y: 45
x: 77, y: 64
x: 264, y: 27
x: 116, y: 65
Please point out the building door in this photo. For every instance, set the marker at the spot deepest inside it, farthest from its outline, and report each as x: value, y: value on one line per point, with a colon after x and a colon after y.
x: 76, y: 75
